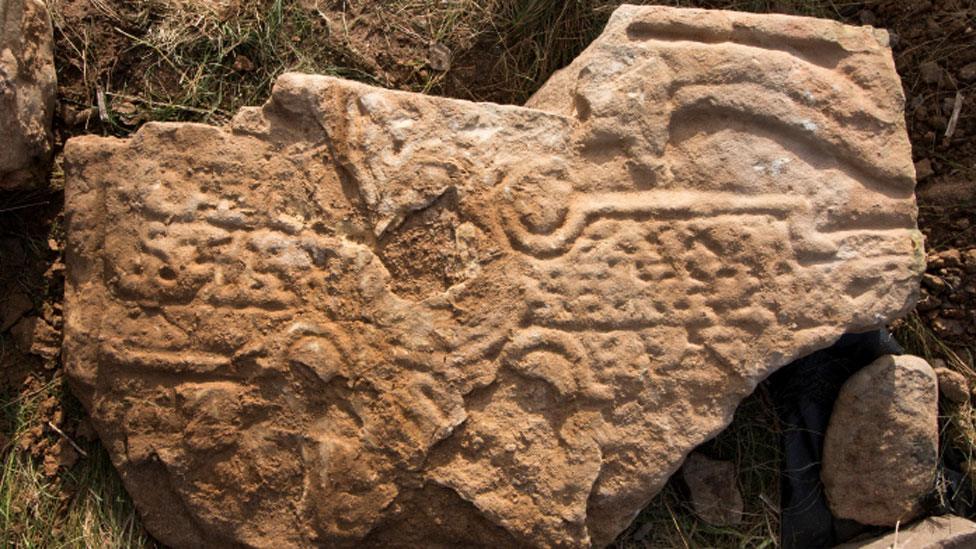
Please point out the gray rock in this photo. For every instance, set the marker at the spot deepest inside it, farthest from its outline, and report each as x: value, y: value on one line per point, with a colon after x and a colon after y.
x: 881, y: 447
x: 714, y: 493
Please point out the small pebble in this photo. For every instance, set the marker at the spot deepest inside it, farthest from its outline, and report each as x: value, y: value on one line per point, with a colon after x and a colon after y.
x: 952, y: 385
x: 931, y: 72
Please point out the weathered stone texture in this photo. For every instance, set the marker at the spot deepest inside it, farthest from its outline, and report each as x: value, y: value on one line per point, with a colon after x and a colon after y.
x: 881, y: 448
x: 361, y: 317
x: 945, y: 532
x: 27, y: 92
x: 713, y: 489
x: 952, y: 384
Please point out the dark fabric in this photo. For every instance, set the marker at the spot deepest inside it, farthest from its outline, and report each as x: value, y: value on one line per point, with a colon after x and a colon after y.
x: 804, y: 393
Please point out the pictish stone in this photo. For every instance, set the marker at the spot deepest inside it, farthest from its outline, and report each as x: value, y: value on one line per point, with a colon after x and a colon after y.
x: 882, y: 444
x: 357, y: 317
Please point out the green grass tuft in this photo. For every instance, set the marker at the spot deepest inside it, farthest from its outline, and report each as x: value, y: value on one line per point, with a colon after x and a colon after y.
x: 84, y: 506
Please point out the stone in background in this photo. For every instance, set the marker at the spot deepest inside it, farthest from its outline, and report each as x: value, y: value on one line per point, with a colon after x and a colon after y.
x: 27, y: 93
x: 882, y: 445
x: 713, y: 488
x: 945, y: 532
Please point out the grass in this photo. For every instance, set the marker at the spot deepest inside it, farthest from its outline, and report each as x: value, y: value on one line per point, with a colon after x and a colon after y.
x: 194, y: 60
x: 197, y: 60
x: 201, y: 61
x: 84, y: 506
x: 752, y: 443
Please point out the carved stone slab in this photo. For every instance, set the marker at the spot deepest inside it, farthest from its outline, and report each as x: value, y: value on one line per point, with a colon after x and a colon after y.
x: 365, y: 317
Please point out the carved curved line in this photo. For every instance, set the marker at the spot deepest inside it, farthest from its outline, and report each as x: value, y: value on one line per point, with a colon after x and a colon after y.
x: 862, y: 102
x: 536, y: 338
x: 331, y: 331
x: 665, y: 204
x: 173, y: 362
x: 847, y: 157
x: 800, y: 47
x: 839, y: 87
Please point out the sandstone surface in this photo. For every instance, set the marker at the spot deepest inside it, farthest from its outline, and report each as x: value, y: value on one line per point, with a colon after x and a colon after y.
x: 952, y: 384
x: 945, y: 532
x: 364, y: 317
x: 881, y: 448
x: 27, y: 92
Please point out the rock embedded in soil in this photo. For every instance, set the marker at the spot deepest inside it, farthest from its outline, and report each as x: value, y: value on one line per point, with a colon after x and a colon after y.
x: 931, y: 72
x: 882, y: 444
x: 35, y: 336
x: 357, y: 317
x: 27, y: 93
x: 968, y: 72
x: 945, y: 532
x: 713, y: 489
x: 13, y: 306
x: 952, y: 385
x: 923, y: 169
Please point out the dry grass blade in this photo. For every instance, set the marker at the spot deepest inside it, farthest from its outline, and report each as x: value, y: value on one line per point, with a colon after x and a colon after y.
x: 82, y: 507
x: 752, y: 443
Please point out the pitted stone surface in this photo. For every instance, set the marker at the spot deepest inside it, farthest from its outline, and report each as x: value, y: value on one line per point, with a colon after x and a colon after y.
x: 362, y: 317
x: 27, y: 92
x: 881, y: 449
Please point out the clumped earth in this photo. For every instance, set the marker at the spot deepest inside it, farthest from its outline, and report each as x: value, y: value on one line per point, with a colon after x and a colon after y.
x: 120, y: 64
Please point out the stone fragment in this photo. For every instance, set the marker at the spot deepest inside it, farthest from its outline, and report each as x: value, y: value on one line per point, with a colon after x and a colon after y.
x: 12, y: 307
x: 923, y: 169
x: 714, y: 493
x: 439, y: 57
x: 953, y: 385
x: 867, y: 17
x: 360, y: 317
x: 945, y: 258
x: 931, y: 72
x: 27, y: 92
x: 945, y: 532
x: 22, y: 333
x: 935, y: 284
x: 32, y: 335
x: 968, y: 72
x: 881, y: 446
x: 969, y: 260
